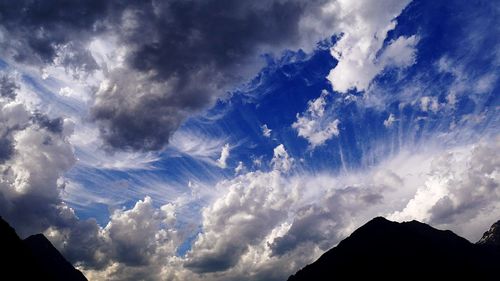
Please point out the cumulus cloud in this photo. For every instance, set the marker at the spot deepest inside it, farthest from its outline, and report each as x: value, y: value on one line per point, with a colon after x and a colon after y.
x: 253, y: 204
x: 463, y: 185
x: 139, y: 243
x: 360, y: 51
x: 32, y: 179
x: 35, y: 156
x: 314, y: 125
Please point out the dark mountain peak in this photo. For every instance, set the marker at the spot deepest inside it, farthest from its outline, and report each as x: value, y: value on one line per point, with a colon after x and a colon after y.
x: 34, y: 258
x: 50, y: 257
x: 492, y: 236
x: 38, y: 238
x: 391, y: 250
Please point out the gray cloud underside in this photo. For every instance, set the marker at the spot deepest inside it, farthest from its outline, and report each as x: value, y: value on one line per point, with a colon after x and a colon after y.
x: 180, y: 55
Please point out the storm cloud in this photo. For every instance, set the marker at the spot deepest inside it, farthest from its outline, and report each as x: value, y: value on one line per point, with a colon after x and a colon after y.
x: 178, y: 56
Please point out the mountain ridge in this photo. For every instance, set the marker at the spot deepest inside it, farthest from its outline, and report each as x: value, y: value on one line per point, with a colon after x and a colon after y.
x: 33, y: 258
x: 392, y: 250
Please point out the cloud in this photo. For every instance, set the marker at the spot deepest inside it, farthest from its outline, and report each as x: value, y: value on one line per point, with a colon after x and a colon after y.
x: 429, y: 104
x: 39, y: 33
x: 314, y: 125
x: 186, y: 62
x: 265, y: 225
x: 463, y: 185
x: 172, y: 59
x: 251, y: 207
x: 32, y: 178
x: 136, y: 247
x: 266, y: 132
x: 139, y: 243
x: 224, y: 154
x: 8, y: 86
x: 389, y: 121
x: 281, y: 160
x: 360, y: 51
x: 239, y: 168
x: 31, y: 171
x: 197, y: 145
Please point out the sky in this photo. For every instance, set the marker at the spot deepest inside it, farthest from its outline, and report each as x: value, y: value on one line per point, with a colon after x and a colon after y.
x: 240, y: 140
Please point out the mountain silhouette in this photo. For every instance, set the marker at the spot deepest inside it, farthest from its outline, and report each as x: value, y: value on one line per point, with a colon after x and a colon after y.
x: 386, y: 250
x: 491, y: 237
x: 34, y: 258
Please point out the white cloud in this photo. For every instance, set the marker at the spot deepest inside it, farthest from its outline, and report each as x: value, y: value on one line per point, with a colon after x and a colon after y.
x: 197, y: 145
x: 429, y: 104
x: 239, y: 168
x: 224, y: 155
x: 400, y: 52
x: 365, y: 25
x: 90, y: 153
x: 314, y: 125
x: 465, y: 81
x: 281, y: 160
x: 266, y: 132
x: 34, y: 155
x: 389, y: 121
x: 462, y: 187
x: 485, y: 83
x: 140, y: 242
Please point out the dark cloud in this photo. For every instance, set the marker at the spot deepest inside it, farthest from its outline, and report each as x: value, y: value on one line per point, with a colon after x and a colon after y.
x: 8, y: 90
x: 180, y: 55
x: 6, y: 149
x: 83, y: 244
x: 200, y: 49
x: 54, y: 125
x: 38, y: 29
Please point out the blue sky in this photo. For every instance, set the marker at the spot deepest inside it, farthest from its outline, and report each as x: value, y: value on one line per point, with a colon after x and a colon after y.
x: 249, y: 159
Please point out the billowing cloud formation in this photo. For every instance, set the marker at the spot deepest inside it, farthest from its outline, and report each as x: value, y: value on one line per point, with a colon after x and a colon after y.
x: 314, y: 125
x: 38, y: 33
x: 462, y: 185
x: 360, y: 52
x: 34, y: 155
x: 173, y: 57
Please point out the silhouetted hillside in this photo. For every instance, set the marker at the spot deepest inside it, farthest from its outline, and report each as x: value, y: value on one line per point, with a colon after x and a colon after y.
x: 492, y: 236
x: 383, y: 250
x: 32, y: 259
